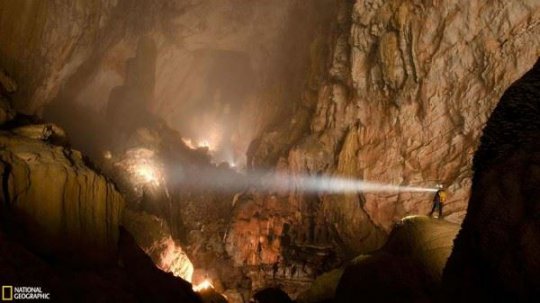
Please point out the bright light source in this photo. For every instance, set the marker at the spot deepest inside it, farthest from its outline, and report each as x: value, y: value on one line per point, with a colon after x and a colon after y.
x: 142, y: 166
x: 283, y: 182
x: 198, y: 144
x: 189, y: 143
x: 204, y: 285
x: 147, y: 173
x: 204, y: 144
x: 107, y: 154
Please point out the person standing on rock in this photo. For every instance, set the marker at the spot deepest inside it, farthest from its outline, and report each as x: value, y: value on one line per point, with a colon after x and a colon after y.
x: 438, y: 202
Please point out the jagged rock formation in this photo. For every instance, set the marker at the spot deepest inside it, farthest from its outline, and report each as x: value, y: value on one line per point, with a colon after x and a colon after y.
x: 496, y: 253
x: 407, y: 269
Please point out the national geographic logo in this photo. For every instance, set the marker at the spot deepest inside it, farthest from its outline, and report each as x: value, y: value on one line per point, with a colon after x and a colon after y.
x: 7, y: 293
x: 10, y: 293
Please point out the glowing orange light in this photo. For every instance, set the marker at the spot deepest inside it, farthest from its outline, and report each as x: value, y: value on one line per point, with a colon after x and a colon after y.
x: 204, y: 285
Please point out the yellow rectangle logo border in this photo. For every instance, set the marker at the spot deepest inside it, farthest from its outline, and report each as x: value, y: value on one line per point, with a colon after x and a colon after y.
x: 4, y: 297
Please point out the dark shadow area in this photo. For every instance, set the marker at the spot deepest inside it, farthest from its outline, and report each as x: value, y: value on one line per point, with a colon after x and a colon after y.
x: 495, y: 256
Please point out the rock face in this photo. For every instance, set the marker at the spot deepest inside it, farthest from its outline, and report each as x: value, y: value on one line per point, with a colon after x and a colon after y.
x: 407, y: 269
x: 58, y: 197
x: 496, y: 253
x: 409, y: 85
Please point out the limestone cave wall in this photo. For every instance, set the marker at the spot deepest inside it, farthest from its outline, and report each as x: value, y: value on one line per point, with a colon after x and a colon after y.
x: 407, y: 90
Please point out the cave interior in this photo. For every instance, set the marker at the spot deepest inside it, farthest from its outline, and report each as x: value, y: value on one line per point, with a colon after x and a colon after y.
x: 270, y: 151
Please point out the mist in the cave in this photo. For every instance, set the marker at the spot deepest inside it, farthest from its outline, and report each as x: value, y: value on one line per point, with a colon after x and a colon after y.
x: 218, y: 81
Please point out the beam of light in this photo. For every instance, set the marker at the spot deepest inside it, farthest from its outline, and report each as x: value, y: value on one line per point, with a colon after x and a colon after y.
x: 227, y: 180
x: 342, y: 185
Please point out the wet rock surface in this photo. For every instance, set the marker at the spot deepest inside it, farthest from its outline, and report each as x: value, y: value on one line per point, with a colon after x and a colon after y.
x: 495, y: 253
x: 406, y: 91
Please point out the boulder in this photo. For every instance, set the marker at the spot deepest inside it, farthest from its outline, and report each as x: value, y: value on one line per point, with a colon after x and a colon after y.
x: 495, y: 257
x: 407, y: 269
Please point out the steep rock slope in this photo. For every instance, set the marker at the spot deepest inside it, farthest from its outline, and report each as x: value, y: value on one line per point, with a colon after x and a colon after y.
x: 495, y: 257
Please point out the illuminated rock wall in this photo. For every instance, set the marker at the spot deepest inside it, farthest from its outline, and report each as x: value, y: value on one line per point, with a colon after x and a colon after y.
x: 409, y: 87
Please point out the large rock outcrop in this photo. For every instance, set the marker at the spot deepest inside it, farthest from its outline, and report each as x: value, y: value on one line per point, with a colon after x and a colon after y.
x: 58, y: 198
x: 495, y: 257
